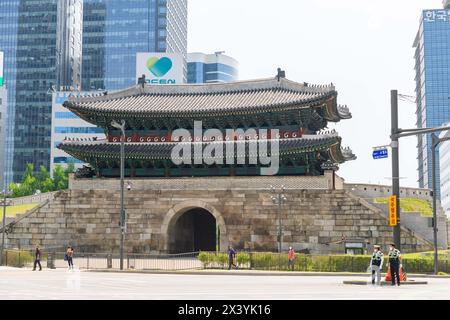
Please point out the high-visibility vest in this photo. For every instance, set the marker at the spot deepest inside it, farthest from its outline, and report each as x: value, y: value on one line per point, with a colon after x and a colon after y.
x: 394, y: 255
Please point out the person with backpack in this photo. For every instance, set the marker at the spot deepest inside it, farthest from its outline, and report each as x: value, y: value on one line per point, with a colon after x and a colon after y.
x: 69, y: 257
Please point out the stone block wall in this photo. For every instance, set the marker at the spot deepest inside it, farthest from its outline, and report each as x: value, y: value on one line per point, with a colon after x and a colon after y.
x: 317, y: 220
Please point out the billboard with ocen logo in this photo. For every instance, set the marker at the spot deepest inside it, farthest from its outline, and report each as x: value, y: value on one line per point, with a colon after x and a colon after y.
x: 160, y: 68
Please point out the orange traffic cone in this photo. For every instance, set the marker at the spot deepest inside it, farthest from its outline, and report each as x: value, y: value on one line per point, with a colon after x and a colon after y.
x: 388, y: 275
x: 402, y: 274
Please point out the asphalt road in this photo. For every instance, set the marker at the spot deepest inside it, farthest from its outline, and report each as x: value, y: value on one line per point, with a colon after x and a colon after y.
x: 64, y: 284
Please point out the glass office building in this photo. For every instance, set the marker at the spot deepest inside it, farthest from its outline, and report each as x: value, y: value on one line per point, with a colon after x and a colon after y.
x: 432, y: 57
x: 68, y: 126
x: 68, y: 44
x: 115, y: 30
x: 9, y: 13
x: 3, y: 117
x: 211, y: 68
x: 31, y: 32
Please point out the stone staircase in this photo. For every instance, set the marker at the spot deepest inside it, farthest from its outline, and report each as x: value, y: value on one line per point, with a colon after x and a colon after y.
x: 419, y: 224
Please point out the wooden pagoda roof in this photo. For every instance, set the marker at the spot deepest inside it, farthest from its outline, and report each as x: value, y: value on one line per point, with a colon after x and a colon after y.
x: 102, y: 149
x: 196, y: 100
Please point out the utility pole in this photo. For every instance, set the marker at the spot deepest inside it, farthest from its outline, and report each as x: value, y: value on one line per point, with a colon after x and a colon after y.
x: 279, y: 198
x: 435, y: 141
x: 395, y: 164
x: 396, y: 134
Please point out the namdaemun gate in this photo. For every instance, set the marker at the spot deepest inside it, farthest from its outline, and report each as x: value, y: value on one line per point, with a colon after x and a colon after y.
x: 232, y: 129
x: 250, y: 164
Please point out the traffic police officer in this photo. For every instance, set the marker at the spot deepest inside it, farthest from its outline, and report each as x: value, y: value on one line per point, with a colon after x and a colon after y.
x: 376, y: 264
x: 395, y: 263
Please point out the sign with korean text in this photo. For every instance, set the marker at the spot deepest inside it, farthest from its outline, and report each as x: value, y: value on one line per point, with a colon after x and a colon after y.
x: 380, y: 154
x: 393, y: 211
x: 436, y: 16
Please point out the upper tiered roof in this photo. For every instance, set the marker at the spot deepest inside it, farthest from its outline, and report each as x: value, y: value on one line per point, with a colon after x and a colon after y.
x: 274, y: 95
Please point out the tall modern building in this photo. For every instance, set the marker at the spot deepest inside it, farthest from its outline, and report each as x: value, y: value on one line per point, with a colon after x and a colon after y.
x: 115, y: 30
x: 211, y: 68
x: 45, y: 48
x: 39, y: 38
x: 9, y: 13
x: 3, y: 116
x: 68, y: 126
x: 69, y: 40
x: 432, y: 67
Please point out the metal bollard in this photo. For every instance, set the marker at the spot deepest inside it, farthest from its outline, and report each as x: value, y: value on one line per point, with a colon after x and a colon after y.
x: 109, y: 261
x: 51, y: 260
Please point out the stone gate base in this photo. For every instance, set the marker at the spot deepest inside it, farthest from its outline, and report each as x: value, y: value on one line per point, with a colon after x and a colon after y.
x: 314, y: 218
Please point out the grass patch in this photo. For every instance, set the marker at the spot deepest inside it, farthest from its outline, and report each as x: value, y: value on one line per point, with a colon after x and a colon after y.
x: 12, y: 211
x: 411, y: 205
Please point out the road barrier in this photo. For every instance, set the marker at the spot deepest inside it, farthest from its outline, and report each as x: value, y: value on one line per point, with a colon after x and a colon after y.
x: 212, y: 260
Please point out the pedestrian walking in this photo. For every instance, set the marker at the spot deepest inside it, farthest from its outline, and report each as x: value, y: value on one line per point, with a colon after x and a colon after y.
x: 395, y: 263
x: 37, y: 259
x: 69, y: 257
x: 376, y: 264
x: 231, y: 257
x: 291, y: 259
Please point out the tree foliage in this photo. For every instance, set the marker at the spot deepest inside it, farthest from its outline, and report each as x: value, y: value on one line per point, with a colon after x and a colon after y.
x: 41, y: 181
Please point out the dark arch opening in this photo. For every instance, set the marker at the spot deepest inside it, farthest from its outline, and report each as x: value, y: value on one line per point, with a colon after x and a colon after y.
x: 193, y: 231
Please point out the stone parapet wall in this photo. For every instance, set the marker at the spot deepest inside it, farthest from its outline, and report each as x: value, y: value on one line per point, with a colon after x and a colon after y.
x: 316, y: 220
x: 209, y: 183
x: 365, y: 190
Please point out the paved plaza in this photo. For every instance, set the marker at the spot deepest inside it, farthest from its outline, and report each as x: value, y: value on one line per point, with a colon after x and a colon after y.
x: 64, y: 284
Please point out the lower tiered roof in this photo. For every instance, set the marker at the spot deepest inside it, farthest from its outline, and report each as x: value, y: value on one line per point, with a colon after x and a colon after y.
x: 89, y: 150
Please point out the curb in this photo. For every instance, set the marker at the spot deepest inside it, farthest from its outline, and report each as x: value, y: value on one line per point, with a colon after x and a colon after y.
x: 255, y: 273
x: 385, y: 283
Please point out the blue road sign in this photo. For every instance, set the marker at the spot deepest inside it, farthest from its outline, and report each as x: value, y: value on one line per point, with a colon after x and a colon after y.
x: 380, y: 154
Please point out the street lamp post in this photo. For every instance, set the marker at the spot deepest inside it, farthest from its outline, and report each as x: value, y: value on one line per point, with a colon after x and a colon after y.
x: 435, y: 142
x: 279, y: 198
x: 395, y: 164
x: 121, y: 126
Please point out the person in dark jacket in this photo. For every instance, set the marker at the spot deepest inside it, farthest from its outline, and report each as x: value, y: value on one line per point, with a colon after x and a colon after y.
x: 231, y: 256
x: 37, y: 259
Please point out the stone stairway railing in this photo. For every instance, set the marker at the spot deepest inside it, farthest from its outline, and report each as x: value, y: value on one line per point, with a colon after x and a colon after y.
x: 37, y: 198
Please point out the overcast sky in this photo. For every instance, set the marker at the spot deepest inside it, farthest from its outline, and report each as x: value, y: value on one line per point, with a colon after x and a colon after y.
x: 363, y: 46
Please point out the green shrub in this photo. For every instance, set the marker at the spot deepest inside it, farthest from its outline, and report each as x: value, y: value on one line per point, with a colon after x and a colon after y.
x: 413, y: 263
x: 242, y: 259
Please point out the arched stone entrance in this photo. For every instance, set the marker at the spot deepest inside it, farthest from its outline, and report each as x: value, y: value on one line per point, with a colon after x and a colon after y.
x: 193, y: 226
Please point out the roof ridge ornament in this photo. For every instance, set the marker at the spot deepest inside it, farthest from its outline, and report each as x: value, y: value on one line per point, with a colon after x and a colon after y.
x: 280, y: 74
